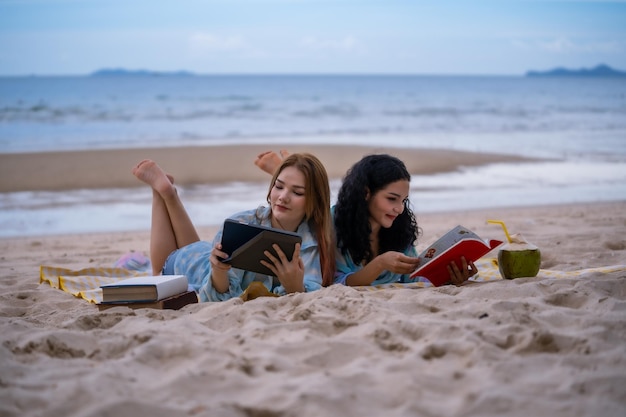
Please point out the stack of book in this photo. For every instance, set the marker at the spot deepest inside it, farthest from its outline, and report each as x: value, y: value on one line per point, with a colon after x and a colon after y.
x: 155, y: 291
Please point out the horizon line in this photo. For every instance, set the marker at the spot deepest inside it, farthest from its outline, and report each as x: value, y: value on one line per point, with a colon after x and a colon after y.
x: 186, y: 73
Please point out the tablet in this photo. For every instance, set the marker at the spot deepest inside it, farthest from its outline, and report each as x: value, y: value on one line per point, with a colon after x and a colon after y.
x: 245, y: 243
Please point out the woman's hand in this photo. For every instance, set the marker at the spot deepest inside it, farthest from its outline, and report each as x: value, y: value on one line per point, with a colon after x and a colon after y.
x: 216, y: 258
x: 289, y: 273
x: 219, y: 269
x: 458, y: 277
x: 397, y: 262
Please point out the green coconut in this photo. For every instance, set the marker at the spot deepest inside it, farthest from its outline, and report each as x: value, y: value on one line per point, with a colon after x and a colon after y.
x: 519, y: 258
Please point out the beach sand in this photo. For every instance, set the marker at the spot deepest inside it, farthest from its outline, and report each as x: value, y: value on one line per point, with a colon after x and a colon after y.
x: 538, y: 346
x: 203, y: 164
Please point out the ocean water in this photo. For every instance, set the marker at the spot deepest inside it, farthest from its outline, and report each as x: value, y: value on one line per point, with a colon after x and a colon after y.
x: 577, y: 125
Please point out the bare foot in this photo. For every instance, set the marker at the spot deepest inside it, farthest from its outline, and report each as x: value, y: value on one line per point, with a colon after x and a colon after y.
x: 149, y: 172
x: 269, y: 161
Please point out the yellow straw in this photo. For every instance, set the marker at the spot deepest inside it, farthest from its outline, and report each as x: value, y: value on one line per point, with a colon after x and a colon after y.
x: 501, y: 223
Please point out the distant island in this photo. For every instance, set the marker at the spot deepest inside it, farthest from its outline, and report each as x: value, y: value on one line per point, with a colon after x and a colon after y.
x: 598, y: 71
x: 117, y: 72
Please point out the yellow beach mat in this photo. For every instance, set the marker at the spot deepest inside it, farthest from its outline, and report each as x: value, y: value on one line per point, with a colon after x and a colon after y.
x: 84, y: 283
x: 488, y: 271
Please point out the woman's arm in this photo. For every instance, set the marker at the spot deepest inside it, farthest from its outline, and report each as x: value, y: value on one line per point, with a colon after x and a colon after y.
x: 219, y: 269
x: 395, y: 262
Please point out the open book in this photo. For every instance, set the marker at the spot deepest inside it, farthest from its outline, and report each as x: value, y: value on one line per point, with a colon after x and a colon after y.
x: 144, y: 288
x: 246, y: 244
x: 455, y: 244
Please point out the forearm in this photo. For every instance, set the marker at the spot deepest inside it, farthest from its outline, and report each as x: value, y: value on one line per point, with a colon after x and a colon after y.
x: 366, y: 275
x: 219, y: 279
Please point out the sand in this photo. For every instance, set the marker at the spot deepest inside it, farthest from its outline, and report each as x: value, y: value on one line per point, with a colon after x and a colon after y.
x: 537, y: 346
x: 203, y: 164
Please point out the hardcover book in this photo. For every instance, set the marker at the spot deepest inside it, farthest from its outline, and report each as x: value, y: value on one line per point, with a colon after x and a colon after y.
x: 455, y: 244
x: 246, y: 243
x: 174, y: 302
x: 144, y: 288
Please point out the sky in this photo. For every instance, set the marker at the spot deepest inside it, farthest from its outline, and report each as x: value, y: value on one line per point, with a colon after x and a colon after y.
x: 436, y: 37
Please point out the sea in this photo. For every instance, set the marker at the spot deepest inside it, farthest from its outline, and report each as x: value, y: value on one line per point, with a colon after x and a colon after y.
x: 575, y: 127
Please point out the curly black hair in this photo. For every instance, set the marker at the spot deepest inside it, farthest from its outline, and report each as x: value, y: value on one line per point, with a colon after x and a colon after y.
x: 352, y: 226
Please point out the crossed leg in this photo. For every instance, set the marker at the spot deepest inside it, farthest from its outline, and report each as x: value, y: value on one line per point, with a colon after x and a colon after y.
x: 171, y: 226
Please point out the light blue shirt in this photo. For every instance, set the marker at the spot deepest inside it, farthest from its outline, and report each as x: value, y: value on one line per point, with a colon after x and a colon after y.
x: 346, y: 267
x: 193, y: 261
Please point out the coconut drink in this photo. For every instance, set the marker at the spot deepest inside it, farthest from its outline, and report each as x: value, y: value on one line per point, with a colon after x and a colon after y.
x: 517, y: 258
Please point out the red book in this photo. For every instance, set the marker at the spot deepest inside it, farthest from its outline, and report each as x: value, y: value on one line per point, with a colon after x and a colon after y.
x: 455, y: 244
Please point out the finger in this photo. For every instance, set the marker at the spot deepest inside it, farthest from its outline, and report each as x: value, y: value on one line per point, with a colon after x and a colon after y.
x: 473, y: 269
x: 407, y: 260
x: 465, y: 272
x: 271, y: 257
x: 219, y: 254
x: 218, y: 263
x: 455, y: 268
x: 280, y: 253
x: 464, y: 264
x: 456, y: 276
x: 270, y: 266
x: 218, y: 249
x: 407, y: 268
x: 277, y: 264
x: 296, y: 252
x: 451, y: 275
x: 414, y: 262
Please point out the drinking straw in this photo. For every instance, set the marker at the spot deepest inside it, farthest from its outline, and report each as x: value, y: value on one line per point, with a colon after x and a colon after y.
x: 501, y: 223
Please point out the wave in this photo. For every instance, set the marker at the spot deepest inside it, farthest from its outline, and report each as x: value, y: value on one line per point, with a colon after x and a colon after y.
x: 91, y: 112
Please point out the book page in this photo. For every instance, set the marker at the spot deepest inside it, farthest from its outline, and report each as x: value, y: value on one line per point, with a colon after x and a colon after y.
x: 446, y: 241
x: 145, y: 288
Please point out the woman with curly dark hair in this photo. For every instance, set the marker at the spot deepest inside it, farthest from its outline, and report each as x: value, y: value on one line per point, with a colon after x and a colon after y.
x: 375, y: 227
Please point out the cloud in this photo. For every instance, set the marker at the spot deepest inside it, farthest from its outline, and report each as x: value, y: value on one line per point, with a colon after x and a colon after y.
x: 557, y: 45
x: 565, y: 45
x: 343, y: 44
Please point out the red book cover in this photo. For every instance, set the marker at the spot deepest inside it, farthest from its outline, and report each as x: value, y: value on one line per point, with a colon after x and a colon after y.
x: 455, y: 244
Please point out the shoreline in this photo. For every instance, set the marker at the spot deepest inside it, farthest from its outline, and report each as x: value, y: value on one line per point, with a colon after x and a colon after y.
x: 110, y: 168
